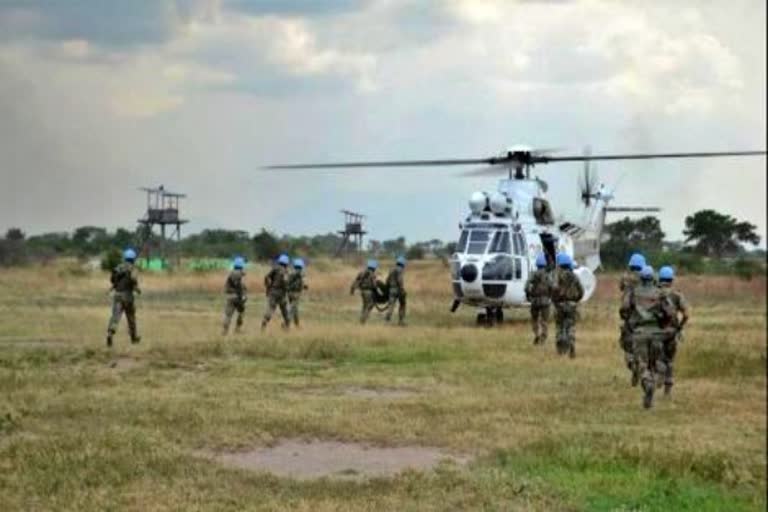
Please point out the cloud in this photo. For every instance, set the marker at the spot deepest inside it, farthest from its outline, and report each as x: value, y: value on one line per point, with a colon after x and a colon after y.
x: 200, y: 93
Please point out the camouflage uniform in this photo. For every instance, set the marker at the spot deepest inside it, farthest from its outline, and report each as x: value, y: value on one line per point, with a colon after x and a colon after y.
x: 276, y: 284
x: 673, y: 330
x: 538, y: 291
x: 296, y: 286
x: 397, y: 294
x: 627, y: 284
x: 648, y: 315
x: 124, y: 284
x: 567, y: 291
x: 366, y: 282
x: 235, y: 289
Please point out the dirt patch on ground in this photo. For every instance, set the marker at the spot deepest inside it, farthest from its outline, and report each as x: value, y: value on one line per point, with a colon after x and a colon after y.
x: 307, y: 460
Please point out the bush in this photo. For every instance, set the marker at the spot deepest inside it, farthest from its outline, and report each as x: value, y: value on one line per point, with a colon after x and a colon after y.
x: 111, y: 259
x: 415, y: 252
x: 746, y: 269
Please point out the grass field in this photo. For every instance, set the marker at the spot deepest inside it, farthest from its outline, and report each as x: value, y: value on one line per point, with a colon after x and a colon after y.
x: 542, y: 432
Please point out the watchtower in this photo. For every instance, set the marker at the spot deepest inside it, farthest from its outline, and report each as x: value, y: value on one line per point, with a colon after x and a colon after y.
x: 352, y: 235
x: 163, y: 211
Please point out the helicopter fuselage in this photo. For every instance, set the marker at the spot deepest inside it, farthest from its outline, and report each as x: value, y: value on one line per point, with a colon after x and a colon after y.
x: 499, y: 242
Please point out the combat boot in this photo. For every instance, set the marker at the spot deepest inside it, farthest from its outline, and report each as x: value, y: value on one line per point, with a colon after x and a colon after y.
x: 572, y: 351
x: 109, y: 340
x: 648, y: 395
x: 667, y: 388
x: 635, y: 378
x: 135, y: 339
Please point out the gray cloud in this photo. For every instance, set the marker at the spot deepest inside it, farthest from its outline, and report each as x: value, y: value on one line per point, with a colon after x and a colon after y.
x: 198, y: 95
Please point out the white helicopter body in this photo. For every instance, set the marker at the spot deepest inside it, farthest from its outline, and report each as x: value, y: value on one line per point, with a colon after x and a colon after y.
x: 503, y: 234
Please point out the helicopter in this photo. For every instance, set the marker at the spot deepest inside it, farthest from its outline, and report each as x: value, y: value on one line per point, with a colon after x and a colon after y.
x: 505, y: 230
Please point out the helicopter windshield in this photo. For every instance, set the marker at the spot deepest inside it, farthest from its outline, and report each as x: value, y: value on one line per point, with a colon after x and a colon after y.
x: 462, y: 245
x: 500, y: 242
x: 478, y: 240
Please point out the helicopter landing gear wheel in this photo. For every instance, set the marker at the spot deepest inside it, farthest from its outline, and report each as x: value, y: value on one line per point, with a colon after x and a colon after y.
x: 482, y: 319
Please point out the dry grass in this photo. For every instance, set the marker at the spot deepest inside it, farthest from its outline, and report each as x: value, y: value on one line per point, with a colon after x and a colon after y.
x: 547, y: 433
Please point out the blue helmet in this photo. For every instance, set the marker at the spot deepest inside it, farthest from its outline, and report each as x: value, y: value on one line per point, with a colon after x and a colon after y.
x: 637, y: 261
x: 541, y: 260
x: 298, y: 263
x: 238, y: 263
x: 283, y: 259
x: 666, y: 273
x: 646, y: 273
x: 373, y: 264
x: 564, y: 260
x: 400, y: 261
x: 129, y: 255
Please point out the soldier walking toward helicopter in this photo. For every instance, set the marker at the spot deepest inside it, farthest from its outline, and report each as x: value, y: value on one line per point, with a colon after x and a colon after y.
x: 397, y: 294
x: 679, y: 315
x: 650, y: 312
x: 296, y: 287
x: 235, y: 290
x: 567, y: 291
x: 366, y: 282
x: 627, y: 284
x: 538, y: 291
x: 276, y: 286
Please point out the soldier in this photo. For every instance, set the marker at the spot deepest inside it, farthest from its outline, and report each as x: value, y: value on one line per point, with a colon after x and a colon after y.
x: 235, y: 289
x: 567, y: 291
x: 296, y: 286
x: 674, y: 329
x: 276, y: 285
x: 366, y: 281
x: 648, y: 315
x: 397, y: 293
x: 124, y: 284
x: 629, y: 280
x: 538, y: 291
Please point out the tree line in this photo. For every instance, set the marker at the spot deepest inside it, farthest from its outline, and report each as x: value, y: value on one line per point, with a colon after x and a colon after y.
x: 710, y: 236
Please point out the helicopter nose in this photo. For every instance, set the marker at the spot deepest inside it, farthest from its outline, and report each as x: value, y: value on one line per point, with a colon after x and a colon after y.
x: 469, y: 273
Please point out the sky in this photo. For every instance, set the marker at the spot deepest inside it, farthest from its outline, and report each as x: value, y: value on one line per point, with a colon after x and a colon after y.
x: 100, y: 98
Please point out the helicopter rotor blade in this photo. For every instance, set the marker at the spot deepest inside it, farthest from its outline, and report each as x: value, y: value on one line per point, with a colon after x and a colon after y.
x: 517, y: 159
x: 387, y: 163
x: 644, y: 156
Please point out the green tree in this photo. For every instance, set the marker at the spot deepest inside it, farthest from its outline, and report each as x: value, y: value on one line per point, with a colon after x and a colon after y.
x: 88, y: 240
x: 716, y: 234
x: 629, y: 235
x: 265, y: 245
x: 394, y: 247
x: 415, y: 252
x: 15, y: 235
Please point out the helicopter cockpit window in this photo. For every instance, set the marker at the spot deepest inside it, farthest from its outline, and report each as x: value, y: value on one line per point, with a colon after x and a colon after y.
x: 462, y: 245
x: 500, y: 242
x: 519, y: 244
x: 478, y: 240
x: 542, y: 211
